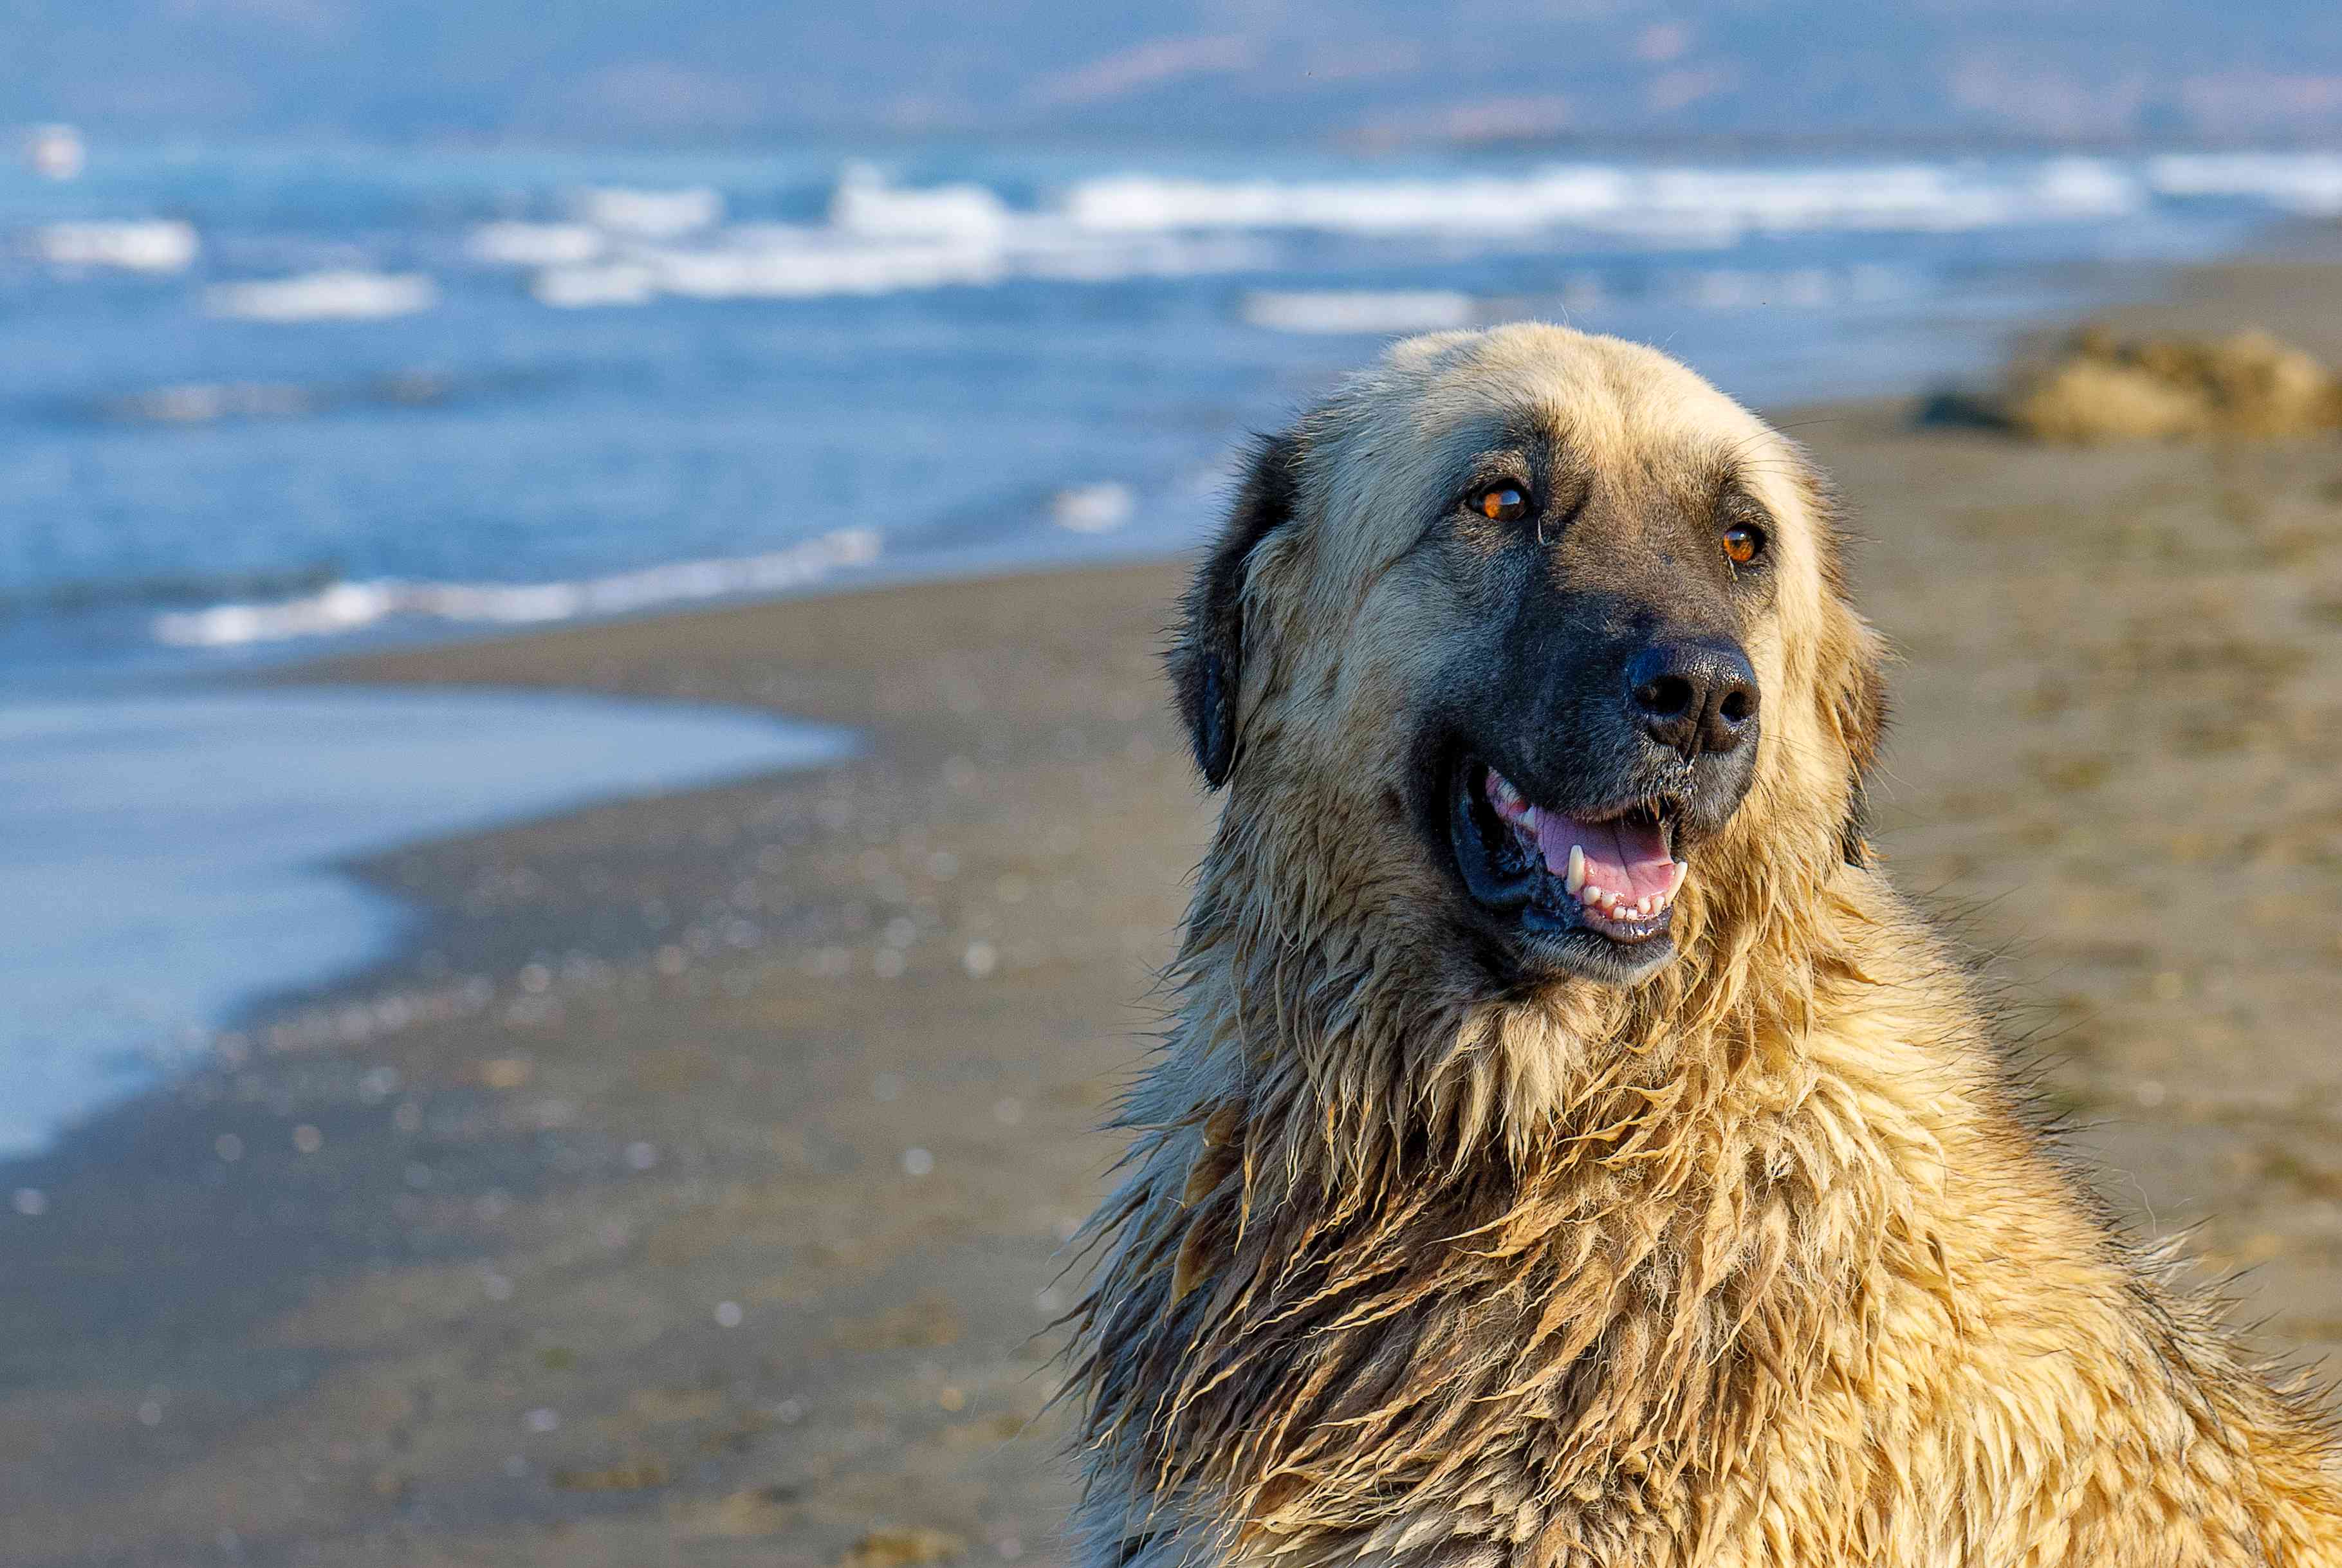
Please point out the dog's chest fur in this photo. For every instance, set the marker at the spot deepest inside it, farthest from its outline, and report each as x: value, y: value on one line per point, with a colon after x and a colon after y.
x: 1774, y: 1300
x: 1588, y: 1356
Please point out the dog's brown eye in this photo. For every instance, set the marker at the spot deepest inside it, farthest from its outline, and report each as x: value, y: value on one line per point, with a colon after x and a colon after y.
x: 1502, y: 503
x: 1743, y: 543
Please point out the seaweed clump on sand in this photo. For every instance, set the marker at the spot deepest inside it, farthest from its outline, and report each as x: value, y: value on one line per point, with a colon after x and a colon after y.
x: 2101, y: 387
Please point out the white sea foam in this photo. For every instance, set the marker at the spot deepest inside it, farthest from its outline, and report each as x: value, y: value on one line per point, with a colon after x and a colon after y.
x: 534, y: 245
x: 576, y: 287
x: 1093, y: 508
x: 889, y: 243
x: 865, y: 203
x: 774, y: 262
x: 649, y: 215
x: 1691, y: 205
x: 1359, y: 310
x: 155, y: 246
x: 1055, y: 252
x: 56, y: 152
x: 633, y: 246
x: 2300, y: 181
x: 348, y: 606
x: 346, y: 295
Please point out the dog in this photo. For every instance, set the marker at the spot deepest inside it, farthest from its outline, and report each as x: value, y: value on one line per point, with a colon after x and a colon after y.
x: 1567, y: 1148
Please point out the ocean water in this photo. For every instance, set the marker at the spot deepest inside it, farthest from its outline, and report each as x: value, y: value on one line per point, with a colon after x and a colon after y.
x: 261, y: 402
x: 166, y: 857
x: 252, y: 396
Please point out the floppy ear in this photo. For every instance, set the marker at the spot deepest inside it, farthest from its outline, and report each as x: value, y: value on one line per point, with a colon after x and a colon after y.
x: 1205, y: 660
x: 1859, y: 707
x: 1852, y: 664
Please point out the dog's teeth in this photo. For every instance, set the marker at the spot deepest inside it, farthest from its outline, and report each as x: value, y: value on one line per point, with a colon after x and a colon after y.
x: 1576, y: 880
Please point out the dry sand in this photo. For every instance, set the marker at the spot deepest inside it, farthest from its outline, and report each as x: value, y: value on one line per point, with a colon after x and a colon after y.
x: 689, y: 1193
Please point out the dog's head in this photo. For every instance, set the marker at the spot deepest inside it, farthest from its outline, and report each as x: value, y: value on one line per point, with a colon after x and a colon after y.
x: 1538, y: 639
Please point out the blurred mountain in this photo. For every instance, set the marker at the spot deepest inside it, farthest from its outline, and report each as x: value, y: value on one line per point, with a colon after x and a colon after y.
x: 1370, y: 73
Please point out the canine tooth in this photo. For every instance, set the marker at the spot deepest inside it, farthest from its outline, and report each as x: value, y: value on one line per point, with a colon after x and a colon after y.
x: 1577, y: 877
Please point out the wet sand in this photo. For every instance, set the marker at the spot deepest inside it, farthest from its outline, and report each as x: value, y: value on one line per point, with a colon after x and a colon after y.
x: 693, y: 1189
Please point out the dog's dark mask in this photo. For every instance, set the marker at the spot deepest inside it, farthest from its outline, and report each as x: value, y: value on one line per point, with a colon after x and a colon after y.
x: 1599, y: 720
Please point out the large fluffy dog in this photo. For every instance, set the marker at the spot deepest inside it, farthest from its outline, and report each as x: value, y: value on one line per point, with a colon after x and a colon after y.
x: 1569, y: 1150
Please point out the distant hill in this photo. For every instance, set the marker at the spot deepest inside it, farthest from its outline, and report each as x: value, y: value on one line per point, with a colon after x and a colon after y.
x: 1375, y: 72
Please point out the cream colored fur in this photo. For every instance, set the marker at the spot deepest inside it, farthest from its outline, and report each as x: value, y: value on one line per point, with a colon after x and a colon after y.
x: 1758, y: 1264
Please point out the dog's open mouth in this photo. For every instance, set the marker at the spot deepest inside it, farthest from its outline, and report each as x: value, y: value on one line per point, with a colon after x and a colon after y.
x: 1594, y: 885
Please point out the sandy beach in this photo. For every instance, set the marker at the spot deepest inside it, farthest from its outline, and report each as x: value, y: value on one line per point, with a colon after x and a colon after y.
x: 693, y: 1188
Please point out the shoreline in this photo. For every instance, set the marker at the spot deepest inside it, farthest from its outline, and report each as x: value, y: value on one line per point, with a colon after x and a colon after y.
x: 214, y: 861
x: 722, y: 1222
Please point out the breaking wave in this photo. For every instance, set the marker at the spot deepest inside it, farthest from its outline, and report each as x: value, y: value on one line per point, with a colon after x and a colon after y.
x: 159, y: 245
x: 1709, y: 206
x: 632, y: 247
x: 347, y: 295
x: 351, y: 606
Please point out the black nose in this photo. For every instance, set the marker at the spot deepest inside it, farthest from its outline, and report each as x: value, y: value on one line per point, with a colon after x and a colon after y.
x: 1693, y: 696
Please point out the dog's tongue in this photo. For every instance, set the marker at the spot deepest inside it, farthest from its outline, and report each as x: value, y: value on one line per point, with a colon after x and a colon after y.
x: 1630, y: 859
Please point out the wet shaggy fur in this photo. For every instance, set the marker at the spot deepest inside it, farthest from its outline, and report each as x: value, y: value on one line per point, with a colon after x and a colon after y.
x: 1421, y: 1259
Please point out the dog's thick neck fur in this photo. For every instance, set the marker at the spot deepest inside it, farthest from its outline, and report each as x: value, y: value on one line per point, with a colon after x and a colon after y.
x: 1595, y: 1278
x: 1754, y: 1262
x: 1380, y: 1245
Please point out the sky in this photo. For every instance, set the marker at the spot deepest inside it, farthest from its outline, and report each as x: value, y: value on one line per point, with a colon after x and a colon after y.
x: 1341, y: 74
